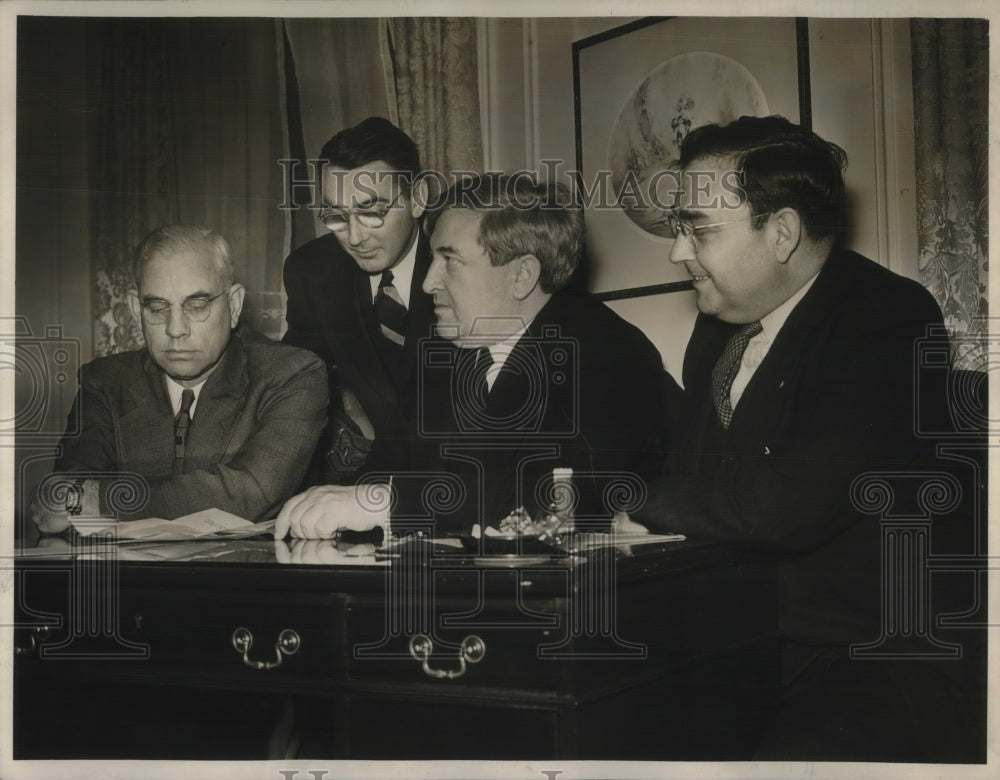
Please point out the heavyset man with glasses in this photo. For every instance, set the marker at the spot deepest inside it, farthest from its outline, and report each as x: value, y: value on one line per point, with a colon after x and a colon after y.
x: 355, y: 297
x: 251, y: 408
x: 801, y: 377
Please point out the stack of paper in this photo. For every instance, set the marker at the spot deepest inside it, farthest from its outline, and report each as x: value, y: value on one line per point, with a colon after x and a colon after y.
x: 207, y: 524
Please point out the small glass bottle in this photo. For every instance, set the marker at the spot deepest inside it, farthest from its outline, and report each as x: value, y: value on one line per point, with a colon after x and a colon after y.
x: 557, y: 518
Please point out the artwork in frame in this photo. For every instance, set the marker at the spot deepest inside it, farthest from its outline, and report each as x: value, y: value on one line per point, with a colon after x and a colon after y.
x: 639, y: 89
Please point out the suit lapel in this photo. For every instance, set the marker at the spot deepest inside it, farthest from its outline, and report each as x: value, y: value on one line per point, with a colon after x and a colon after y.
x: 420, y: 319
x: 219, y: 405
x: 146, y: 428
x: 778, y: 373
x: 351, y: 325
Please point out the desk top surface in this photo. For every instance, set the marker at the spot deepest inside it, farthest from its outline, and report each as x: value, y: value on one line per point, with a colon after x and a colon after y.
x: 267, y: 557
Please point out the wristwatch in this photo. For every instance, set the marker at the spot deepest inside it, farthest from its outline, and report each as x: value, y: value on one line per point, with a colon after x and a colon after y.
x: 74, y: 498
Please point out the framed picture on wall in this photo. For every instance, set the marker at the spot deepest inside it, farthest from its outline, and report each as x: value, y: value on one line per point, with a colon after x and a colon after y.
x: 638, y: 90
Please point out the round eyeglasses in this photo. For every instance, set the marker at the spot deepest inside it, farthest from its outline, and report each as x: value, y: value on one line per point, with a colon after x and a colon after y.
x: 370, y: 216
x: 197, y: 308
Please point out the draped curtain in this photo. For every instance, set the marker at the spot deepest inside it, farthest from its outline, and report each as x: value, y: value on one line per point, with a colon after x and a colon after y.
x: 950, y: 90
x: 336, y: 78
x: 195, y: 115
x: 190, y: 128
x: 421, y: 74
x: 435, y: 86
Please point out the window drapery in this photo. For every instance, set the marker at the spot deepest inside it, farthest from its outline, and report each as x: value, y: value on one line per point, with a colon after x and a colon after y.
x: 950, y: 90
x: 435, y: 82
x: 190, y: 129
x: 193, y: 121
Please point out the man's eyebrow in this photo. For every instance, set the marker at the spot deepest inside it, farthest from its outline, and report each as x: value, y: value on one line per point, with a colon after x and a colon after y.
x: 157, y: 299
x: 358, y: 204
x: 372, y: 201
x: 689, y: 214
x: 446, y: 250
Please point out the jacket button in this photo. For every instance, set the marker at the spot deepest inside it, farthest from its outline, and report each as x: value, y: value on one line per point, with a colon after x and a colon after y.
x: 767, y: 450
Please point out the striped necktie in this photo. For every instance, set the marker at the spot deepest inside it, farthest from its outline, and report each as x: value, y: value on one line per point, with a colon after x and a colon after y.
x: 390, y: 310
x: 726, y: 369
x: 181, y: 424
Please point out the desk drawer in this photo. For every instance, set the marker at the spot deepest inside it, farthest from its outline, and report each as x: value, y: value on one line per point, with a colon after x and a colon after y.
x: 280, y: 637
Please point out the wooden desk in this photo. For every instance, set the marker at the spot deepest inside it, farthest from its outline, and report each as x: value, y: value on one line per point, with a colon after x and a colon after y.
x: 658, y: 651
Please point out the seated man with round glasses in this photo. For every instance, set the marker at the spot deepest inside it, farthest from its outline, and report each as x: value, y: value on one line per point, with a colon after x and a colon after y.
x: 207, y: 415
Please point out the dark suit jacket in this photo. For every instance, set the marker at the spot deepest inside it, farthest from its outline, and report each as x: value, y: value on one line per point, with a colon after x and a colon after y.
x: 582, y: 388
x: 330, y: 312
x: 832, y: 400
x: 251, y: 437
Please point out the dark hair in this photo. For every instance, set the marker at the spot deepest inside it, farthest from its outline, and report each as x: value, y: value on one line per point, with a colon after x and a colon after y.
x: 781, y: 165
x: 183, y: 237
x: 521, y: 217
x: 373, y: 139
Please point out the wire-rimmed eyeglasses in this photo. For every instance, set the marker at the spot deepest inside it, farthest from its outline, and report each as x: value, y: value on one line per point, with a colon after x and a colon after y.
x: 197, y: 308
x: 680, y: 227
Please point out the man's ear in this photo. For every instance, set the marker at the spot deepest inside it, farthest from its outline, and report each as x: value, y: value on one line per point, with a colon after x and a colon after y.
x: 525, y: 273
x: 236, y: 294
x: 418, y: 197
x: 134, y: 306
x: 788, y: 229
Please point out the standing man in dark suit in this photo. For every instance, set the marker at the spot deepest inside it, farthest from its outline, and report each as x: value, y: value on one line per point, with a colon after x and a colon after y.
x: 524, y: 377
x: 801, y: 377
x: 206, y: 415
x: 355, y: 297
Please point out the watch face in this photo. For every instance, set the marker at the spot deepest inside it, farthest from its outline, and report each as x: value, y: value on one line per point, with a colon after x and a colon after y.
x: 74, y: 497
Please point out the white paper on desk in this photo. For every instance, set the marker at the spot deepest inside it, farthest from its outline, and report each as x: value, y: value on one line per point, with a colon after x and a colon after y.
x: 209, y: 523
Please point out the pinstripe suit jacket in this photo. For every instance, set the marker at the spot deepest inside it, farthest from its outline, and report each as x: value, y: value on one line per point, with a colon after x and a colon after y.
x: 258, y: 417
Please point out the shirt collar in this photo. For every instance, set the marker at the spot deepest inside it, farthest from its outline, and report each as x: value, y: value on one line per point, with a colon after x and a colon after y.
x: 772, y: 323
x: 174, y: 390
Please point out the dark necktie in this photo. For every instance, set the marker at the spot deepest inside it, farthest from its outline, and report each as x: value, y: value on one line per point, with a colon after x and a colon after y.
x: 390, y: 310
x: 726, y: 369
x: 484, y: 362
x: 472, y: 389
x: 181, y: 424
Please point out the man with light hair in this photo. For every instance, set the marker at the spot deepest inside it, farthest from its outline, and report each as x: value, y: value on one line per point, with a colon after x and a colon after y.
x: 208, y: 414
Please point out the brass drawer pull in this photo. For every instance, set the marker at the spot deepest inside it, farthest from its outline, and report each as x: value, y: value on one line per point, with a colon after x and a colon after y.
x: 472, y: 651
x: 38, y: 635
x: 288, y: 644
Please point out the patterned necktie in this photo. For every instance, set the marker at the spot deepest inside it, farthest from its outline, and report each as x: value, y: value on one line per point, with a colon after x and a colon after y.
x: 726, y: 369
x: 390, y: 310
x: 181, y: 424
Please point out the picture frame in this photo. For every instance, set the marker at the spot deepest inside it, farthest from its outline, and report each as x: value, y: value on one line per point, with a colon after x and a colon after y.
x: 608, y: 68
x: 768, y: 57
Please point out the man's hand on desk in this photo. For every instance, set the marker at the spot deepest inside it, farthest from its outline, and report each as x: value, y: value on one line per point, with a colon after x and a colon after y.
x: 47, y: 520
x: 325, y: 510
